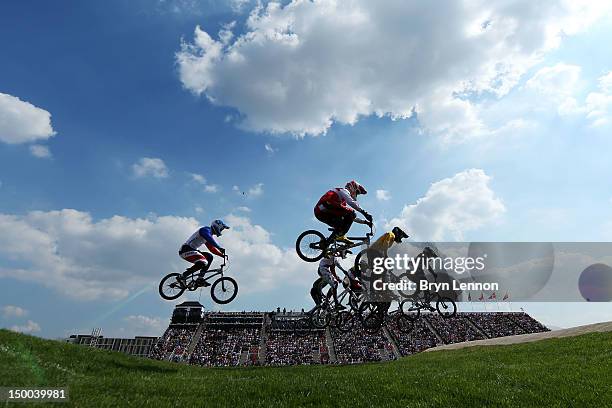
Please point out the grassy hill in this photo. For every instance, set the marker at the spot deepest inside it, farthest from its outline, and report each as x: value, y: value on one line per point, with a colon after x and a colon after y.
x: 572, y: 371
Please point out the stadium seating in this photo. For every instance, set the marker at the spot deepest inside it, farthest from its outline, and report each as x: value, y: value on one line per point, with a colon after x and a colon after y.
x: 254, y: 338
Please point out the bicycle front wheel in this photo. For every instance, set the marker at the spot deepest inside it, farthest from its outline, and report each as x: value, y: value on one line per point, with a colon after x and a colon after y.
x: 310, y: 246
x: 320, y: 318
x: 224, y: 290
x: 446, y: 307
x: 170, y: 288
x: 344, y: 321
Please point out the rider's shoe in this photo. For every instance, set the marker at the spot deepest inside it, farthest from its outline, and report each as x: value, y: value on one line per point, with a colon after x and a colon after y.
x: 343, y: 238
x: 189, y: 271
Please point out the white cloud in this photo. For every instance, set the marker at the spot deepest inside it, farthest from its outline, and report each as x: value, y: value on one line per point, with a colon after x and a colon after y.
x: 198, y: 178
x: 29, y: 327
x: 40, y: 151
x: 11, y: 311
x: 451, y: 207
x: 199, y: 210
x: 383, y: 195
x: 259, y: 264
x: 243, y: 209
x: 239, y: 5
x: 599, y: 103
x: 300, y: 67
x: 560, y: 79
x: 560, y: 84
x: 180, y: 7
x: 256, y: 191
x: 112, y: 257
x: 150, y: 166
x: 146, y: 325
x: 22, y: 122
x: 271, y: 150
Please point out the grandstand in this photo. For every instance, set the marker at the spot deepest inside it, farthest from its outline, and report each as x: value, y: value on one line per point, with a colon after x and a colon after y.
x: 229, y: 339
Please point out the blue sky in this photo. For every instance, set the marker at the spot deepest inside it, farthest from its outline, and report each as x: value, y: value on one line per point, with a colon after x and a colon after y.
x: 303, y: 109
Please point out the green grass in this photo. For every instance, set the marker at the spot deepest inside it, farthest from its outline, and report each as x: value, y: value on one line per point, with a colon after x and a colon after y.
x: 573, y: 371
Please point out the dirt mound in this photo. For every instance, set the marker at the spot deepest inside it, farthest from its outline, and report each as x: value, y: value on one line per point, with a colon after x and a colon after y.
x: 525, y: 338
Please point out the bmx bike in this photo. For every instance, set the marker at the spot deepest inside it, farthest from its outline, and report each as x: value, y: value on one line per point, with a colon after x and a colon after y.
x: 312, y: 245
x: 373, y: 315
x: 445, y: 306
x: 223, y: 290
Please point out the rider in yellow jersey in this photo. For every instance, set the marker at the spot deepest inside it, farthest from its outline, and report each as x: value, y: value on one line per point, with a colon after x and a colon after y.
x: 380, y: 248
x: 382, y: 244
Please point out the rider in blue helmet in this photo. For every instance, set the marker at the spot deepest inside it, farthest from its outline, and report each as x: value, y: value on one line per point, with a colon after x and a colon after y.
x: 203, y: 236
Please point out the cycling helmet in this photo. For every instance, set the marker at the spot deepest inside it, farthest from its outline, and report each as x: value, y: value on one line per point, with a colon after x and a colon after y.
x: 355, y: 188
x: 217, y: 227
x: 399, y: 234
x: 430, y: 253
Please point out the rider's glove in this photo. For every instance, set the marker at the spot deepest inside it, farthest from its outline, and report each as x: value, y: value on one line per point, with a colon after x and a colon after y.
x: 367, y: 216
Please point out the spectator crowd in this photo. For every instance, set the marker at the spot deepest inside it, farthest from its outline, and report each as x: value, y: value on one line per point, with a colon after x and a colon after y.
x: 173, y: 344
x: 251, y: 338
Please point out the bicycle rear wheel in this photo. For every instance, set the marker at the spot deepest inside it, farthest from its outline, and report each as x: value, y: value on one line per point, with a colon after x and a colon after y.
x: 170, y: 288
x: 224, y: 290
x: 310, y: 246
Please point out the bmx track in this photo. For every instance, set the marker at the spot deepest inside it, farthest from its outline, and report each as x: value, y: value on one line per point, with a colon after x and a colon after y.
x: 525, y: 338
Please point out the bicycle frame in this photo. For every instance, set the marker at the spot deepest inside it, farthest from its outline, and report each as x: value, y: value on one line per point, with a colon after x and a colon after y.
x: 360, y: 241
x: 341, y: 296
x: 209, y: 274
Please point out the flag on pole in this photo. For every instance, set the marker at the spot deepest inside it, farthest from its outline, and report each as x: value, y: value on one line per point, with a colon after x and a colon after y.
x: 492, y: 296
x: 481, y: 298
x: 506, y: 296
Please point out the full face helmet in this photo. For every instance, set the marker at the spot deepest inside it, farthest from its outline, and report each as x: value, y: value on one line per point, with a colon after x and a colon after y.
x: 217, y: 227
x: 354, y: 188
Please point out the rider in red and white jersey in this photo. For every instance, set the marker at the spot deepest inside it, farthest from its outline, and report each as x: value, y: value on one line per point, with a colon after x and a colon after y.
x: 337, y: 208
